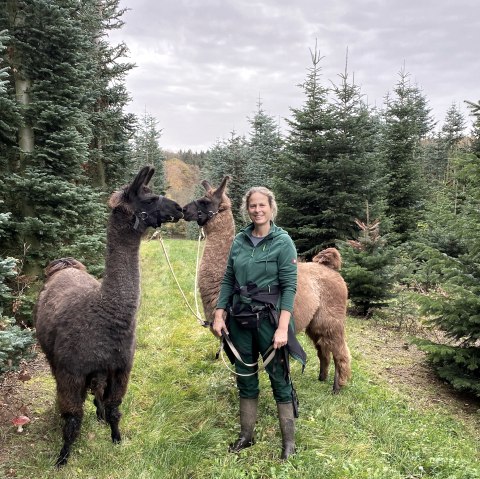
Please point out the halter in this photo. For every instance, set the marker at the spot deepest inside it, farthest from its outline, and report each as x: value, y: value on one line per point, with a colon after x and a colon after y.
x: 142, y: 216
x: 209, y: 213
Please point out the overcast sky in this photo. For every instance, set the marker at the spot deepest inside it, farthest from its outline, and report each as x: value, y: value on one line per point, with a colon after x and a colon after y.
x: 202, y: 65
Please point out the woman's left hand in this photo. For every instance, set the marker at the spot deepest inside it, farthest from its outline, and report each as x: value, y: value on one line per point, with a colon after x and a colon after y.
x: 280, y: 338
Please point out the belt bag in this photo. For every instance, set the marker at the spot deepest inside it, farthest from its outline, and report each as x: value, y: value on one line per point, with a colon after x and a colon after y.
x: 247, y: 319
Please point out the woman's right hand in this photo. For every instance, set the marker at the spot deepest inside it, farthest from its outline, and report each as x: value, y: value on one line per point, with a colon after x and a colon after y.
x: 219, y: 325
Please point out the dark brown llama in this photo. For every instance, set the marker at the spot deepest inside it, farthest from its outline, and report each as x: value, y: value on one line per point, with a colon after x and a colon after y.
x: 321, y: 299
x: 86, y: 328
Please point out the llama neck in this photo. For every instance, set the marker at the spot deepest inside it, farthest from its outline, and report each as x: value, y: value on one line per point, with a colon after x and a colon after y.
x: 219, y: 232
x: 121, y: 282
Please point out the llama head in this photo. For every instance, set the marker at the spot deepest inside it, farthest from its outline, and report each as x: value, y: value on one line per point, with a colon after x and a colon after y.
x: 205, y: 208
x: 145, y: 207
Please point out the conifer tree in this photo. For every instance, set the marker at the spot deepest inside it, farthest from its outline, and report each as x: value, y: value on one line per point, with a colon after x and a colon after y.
x: 367, y: 267
x: 264, y: 147
x: 323, y: 178
x: 229, y: 157
x: 147, y: 150
x: 454, y: 306
x: 407, y: 121
x: 57, y: 212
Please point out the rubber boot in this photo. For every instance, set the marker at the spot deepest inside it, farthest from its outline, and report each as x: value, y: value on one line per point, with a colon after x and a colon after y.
x: 287, y: 427
x: 248, y: 417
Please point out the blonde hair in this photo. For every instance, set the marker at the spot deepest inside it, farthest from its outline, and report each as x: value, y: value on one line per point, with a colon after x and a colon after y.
x: 264, y: 191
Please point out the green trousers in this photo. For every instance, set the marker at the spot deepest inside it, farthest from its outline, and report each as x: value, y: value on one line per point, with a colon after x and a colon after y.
x: 250, y: 343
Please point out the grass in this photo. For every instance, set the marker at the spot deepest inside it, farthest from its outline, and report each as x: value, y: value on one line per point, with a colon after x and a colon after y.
x: 181, y: 411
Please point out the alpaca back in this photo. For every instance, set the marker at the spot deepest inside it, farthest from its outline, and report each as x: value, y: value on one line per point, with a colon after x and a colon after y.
x: 321, y: 290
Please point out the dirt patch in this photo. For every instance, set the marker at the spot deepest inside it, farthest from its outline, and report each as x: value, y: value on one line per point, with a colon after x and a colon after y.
x: 21, y: 395
x: 404, y: 367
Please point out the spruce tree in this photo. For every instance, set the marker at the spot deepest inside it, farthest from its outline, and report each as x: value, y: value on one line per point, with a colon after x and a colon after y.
x: 264, y: 147
x: 454, y: 306
x: 367, y: 267
x: 56, y: 211
x: 407, y: 121
x: 323, y: 178
x: 229, y: 157
x: 147, y: 151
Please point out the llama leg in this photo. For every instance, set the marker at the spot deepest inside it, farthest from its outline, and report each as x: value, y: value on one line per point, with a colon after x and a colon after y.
x: 116, y: 388
x: 71, y: 393
x: 71, y: 430
x: 341, y: 358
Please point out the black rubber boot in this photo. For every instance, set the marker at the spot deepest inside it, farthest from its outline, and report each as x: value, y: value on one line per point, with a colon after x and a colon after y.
x: 248, y: 417
x: 287, y: 427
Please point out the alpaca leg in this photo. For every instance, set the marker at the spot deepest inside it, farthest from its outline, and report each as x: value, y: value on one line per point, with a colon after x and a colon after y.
x: 324, y: 357
x: 116, y: 388
x: 323, y: 353
x: 341, y: 358
x: 71, y: 393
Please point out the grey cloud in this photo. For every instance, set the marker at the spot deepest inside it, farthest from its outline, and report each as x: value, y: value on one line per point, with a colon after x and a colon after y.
x: 203, y: 64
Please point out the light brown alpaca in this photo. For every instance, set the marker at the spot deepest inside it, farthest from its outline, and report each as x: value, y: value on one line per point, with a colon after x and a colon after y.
x: 321, y: 299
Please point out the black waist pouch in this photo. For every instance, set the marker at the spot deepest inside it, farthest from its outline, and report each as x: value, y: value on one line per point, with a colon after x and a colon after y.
x: 247, y: 318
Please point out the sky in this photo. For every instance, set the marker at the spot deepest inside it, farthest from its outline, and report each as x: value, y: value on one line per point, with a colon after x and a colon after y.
x: 203, y: 66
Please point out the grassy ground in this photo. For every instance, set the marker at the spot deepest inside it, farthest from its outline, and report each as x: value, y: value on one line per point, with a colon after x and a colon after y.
x: 180, y: 411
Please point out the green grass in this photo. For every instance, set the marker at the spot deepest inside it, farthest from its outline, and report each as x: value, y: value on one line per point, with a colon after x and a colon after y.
x: 181, y: 410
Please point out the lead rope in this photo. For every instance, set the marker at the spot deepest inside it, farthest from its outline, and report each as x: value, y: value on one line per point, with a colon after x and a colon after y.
x: 197, y: 314
x: 270, y: 351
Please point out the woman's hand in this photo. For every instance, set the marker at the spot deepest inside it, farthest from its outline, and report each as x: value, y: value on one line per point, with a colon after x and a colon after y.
x: 280, y: 337
x: 219, y: 323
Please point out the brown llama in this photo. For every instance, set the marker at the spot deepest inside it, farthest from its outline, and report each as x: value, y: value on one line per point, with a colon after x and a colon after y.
x: 86, y: 328
x: 321, y: 299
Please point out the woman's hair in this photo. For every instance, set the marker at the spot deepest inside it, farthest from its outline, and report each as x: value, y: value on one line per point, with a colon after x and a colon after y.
x: 264, y: 191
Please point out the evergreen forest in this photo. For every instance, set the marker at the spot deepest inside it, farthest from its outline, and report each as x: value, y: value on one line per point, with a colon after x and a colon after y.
x: 395, y: 189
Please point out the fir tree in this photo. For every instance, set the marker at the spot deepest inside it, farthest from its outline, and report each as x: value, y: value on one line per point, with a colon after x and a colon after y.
x: 229, y: 157
x: 147, y: 151
x: 454, y: 305
x: 45, y: 187
x: 323, y: 178
x: 264, y: 147
x: 367, y: 267
x: 407, y: 121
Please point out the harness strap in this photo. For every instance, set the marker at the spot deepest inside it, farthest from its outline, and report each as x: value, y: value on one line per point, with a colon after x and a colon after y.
x: 269, y: 355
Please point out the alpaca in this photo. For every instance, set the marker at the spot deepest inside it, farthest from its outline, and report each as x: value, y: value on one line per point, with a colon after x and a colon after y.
x: 321, y: 299
x: 86, y: 328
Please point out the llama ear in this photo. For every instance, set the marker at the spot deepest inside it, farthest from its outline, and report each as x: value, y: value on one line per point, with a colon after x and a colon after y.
x: 206, y: 185
x: 139, y: 180
x: 149, y: 176
x: 223, y: 184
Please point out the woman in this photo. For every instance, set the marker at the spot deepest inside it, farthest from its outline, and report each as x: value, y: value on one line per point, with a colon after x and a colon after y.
x: 258, y: 290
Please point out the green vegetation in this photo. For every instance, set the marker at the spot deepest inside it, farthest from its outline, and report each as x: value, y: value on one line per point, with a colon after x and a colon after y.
x: 180, y: 411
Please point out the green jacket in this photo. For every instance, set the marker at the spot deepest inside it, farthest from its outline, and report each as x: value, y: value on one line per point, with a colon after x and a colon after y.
x: 272, y: 262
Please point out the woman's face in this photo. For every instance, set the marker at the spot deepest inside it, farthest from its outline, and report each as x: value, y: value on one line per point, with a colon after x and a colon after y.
x: 259, y: 209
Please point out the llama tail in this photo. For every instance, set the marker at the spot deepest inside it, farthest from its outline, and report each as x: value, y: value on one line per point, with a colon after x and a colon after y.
x: 329, y: 257
x: 62, y: 263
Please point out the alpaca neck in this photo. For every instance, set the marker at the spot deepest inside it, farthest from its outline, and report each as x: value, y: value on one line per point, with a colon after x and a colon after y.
x: 121, y: 281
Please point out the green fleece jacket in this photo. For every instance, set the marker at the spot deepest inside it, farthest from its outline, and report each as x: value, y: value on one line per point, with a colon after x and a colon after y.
x: 272, y: 262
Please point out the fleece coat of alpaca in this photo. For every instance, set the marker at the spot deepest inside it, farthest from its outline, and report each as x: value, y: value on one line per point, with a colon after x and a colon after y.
x: 85, y: 327
x: 321, y: 299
